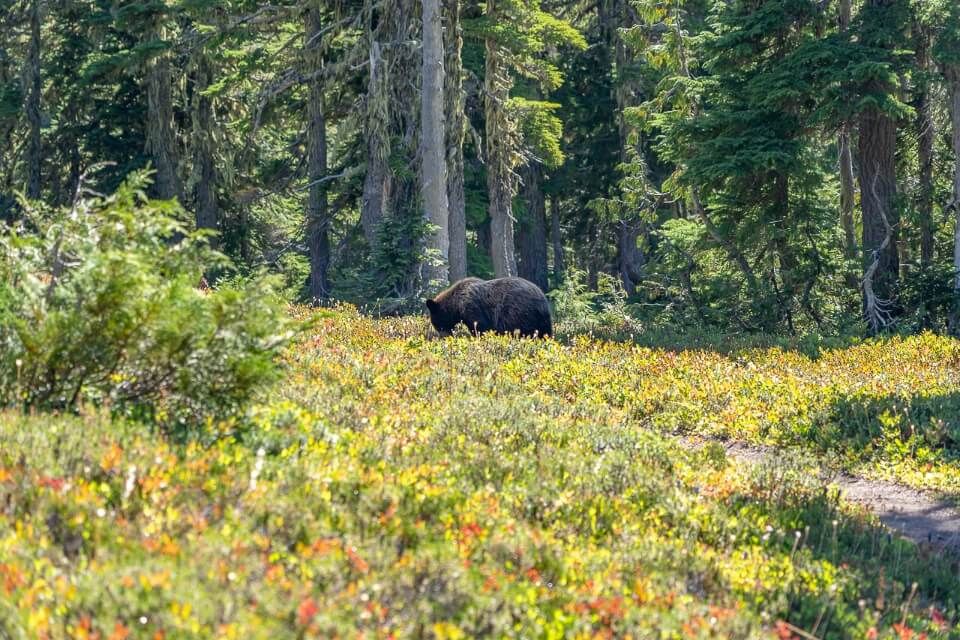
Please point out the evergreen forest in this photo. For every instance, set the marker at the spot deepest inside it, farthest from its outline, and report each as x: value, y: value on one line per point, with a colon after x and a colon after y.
x: 776, y: 166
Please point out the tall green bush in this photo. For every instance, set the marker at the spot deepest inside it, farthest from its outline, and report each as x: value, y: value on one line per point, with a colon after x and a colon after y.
x: 102, y: 304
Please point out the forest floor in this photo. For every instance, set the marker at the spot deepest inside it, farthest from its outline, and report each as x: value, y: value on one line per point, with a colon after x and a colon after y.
x: 394, y: 485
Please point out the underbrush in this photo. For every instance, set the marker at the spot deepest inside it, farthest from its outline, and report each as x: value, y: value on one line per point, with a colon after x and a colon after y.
x: 402, y: 486
x: 103, y: 304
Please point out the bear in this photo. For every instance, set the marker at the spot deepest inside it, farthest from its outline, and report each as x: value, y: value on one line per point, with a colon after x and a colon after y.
x: 504, y: 305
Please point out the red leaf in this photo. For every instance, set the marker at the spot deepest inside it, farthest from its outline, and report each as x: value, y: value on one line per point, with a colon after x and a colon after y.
x: 938, y: 619
x: 306, y: 611
x: 903, y: 631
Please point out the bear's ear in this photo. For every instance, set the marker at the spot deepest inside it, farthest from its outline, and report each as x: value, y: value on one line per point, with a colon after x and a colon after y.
x: 431, y: 304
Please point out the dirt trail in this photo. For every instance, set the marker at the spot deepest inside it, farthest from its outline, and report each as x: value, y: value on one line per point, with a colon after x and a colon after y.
x: 915, y: 515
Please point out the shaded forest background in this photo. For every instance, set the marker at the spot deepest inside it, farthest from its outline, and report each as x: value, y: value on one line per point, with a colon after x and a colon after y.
x: 749, y: 165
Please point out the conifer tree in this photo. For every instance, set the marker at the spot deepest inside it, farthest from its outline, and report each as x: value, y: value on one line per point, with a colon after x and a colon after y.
x: 947, y: 54
x: 318, y: 223
x: 456, y: 125
x: 880, y: 24
x: 517, y: 33
x: 33, y: 106
x: 433, y: 147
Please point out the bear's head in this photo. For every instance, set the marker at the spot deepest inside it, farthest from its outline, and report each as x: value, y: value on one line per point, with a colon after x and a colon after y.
x: 442, y: 320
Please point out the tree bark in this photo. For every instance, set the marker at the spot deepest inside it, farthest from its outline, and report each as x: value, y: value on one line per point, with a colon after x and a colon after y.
x: 204, y: 167
x: 532, y: 235
x: 393, y: 134
x: 878, y: 186
x: 456, y: 132
x: 952, y: 73
x: 377, y: 184
x: 161, y: 132
x: 433, y: 167
x: 500, y: 152
x: 926, y: 137
x: 34, y: 120
x: 847, y: 185
x: 559, y: 268
x: 318, y: 221
x: 785, y: 256
x: 877, y: 144
x: 7, y: 126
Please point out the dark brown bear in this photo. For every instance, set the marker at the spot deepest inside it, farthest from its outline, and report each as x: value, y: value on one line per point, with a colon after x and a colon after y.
x: 504, y: 305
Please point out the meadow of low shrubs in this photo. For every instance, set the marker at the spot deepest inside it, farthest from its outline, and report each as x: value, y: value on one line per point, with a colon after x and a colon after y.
x: 392, y: 485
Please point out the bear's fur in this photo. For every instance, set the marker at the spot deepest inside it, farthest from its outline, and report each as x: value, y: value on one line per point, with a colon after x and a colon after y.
x: 504, y: 305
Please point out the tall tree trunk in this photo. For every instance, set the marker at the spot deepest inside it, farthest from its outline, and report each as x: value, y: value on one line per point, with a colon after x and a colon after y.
x: 393, y: 132
x: 559, y: 268
x: 847, y: 185
x: 532, y: 234
x: 204, y: 168
x: 318, y: 221
x: 631, y: 260
x: 455, y: 100
x: 952, y: 73
x: 433, y: 168
x: 34, y: 149
x: 878, y: 186
x: 877, y: 146
x: 377, y: 184
x: 7, y: 126
x: 161, y: 132
x: 926, y: 136
x: 785, y: 255
x: 501, y: 153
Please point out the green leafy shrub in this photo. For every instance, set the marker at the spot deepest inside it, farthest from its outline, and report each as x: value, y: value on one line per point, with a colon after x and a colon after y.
x: 578, y: 309
x: 101, y: 304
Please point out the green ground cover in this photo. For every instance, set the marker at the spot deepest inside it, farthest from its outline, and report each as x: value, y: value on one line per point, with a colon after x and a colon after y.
x: 393, y: 485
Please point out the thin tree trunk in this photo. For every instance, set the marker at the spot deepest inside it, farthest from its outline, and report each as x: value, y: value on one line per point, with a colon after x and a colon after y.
x: 616, y: 14
x: 7, y: 126
x: 593, y: 257
x: 205, y: 177
x: 926, y: 136
x: 456, y: 131
x: 501, y: 177
x: 75, y: 168
x: 532, y: 235
x: 952, y: 73
x: 785, y: 256
x: 377, y: 184
x: 34, y: 149
x: 559, y: 268
x: 847, y: 184
x: 729, y: 246
x: 433, y: 168
x: 161, y: 132
x: 318, y: 221
x: 630, y: 257
x: 847, y: 195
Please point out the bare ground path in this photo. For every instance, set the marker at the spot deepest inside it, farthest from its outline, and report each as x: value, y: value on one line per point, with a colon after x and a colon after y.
x: 917, y: 516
